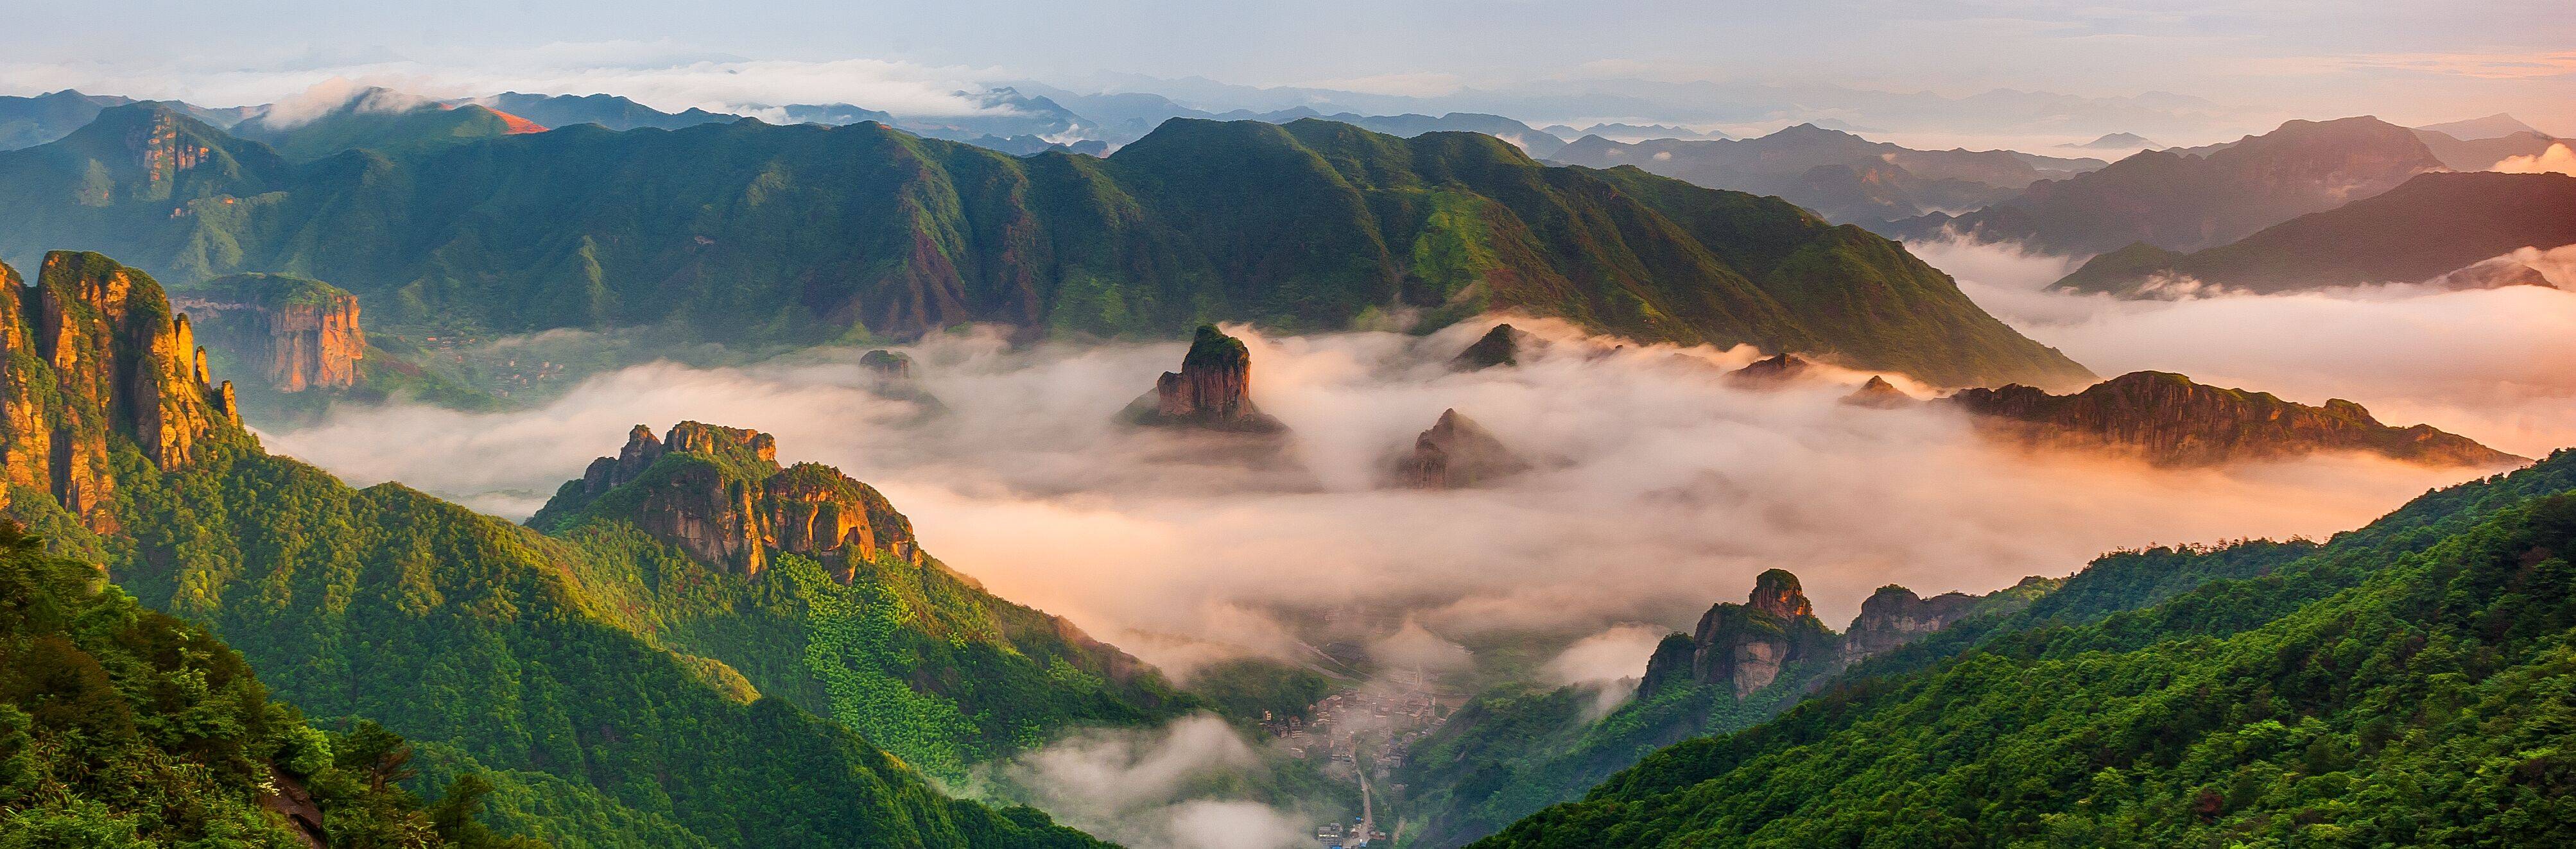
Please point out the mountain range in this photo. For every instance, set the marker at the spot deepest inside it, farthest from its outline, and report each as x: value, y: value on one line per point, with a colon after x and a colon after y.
x: 809, y: 233
x: 2189, y: 199
x: 2426, y: 227
x: 1842, y: 176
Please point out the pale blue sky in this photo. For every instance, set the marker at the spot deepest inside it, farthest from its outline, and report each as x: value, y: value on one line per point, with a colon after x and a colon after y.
x: 2410, y: 61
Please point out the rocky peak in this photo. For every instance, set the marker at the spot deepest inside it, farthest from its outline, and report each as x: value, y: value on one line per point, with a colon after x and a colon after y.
x: 1212, y: 391
x: 1744, y: 647
x: 1772, y: 371
x: 2168, y: 420
x: 606, y: 473
x: 99, y: 354
x: 1894, y: 616
x: 305, y: 332
x: 892, y: 367
x: 1749, y: 647
x: 1880, y: 394
x: 890, y: 375
x: 1456, y: 452
x: 718, y: 494
x: 1500, y: 346
x: 750, y: 448
x: 1776, y: 592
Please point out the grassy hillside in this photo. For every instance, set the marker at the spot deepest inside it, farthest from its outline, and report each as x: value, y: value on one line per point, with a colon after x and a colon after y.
x: 748, y: 233
x: 2404, y: 684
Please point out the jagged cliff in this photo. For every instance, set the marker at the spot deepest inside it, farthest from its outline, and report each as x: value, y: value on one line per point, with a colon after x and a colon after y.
x: 1748, y: 647
x: 1212, y: 391
x: 303, y: 334
x: 95, y: 360
x: 1456, y: 452
x: 1743, y: 647
x: 2169, y: 420
x: 719, y: 494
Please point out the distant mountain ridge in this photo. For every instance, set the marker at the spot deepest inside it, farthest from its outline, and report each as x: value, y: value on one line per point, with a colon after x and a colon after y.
x: 2169, y: 420
x: 2493, y: 126
x: 2191, y: 199
x: 1308, y: 225
x: 1840, y: 175
x: 2430, y: 225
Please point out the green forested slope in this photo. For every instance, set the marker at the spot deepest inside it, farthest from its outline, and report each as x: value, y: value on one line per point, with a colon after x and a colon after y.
x: 2409, y: 683
x: 749, y: 233
x: 123, y: 727
x: 488, y: 644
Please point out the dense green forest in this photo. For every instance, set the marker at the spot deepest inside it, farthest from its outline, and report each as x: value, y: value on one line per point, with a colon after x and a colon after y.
x: 122, y: 727
x: 747, y: 233
x: 2407, y: 683
x: 486, y: 644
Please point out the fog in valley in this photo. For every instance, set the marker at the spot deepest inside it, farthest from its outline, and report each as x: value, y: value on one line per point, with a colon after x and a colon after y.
x: 1658, y: 488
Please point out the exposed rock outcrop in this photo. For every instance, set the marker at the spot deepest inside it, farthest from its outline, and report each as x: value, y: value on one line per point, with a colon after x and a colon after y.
x: 1894, y: 616
x: 2493, y: 274
x: 1744, y: 647
x: 96, y: 358
x: 304, y: 333
x: 1212, y: 391
x: 1880, y: 394
x: 719, y: 494
x: 1500, y: 346
x: 2168, y: 420
x: 1775, y: 635
x: 891, y: 375
x: 1456, y: 453
x: 1771, y: 372
x: 888, y: 367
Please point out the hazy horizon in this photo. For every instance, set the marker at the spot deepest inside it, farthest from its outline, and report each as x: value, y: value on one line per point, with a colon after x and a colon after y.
x: 2193, y: 74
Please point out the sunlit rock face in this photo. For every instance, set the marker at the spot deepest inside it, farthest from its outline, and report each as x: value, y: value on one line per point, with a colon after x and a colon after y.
x: 94, y: 349
x: 1212, y: 391
x: 2168, y: 420
x: 299, y: 334
x: 719, y: 494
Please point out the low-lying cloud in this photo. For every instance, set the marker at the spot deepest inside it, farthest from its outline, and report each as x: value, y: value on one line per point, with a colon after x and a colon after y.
x: 2557, y: 159
x: 2490, y: 364
x: 1659, y: 487
x: 1187, y: 785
